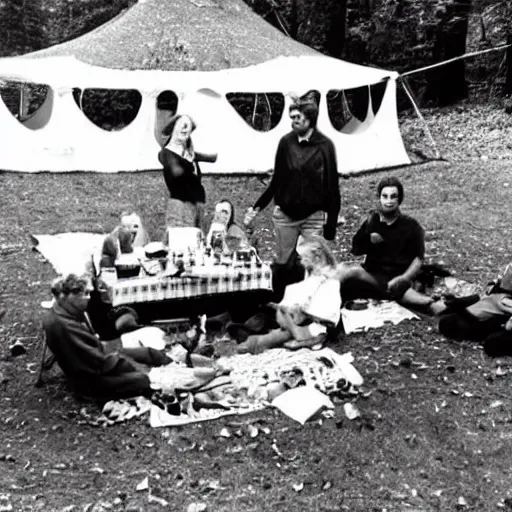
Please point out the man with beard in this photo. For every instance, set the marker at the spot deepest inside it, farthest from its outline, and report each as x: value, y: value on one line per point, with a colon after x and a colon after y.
x: 394, y: 247
x: 304, y: 185
x: 305, y: 190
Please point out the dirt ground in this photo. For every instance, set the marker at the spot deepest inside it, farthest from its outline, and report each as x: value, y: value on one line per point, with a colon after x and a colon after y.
x: 436, y: 424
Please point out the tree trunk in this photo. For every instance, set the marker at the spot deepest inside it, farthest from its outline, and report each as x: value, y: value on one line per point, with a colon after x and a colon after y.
x: 508, y: 79
x: 447, y: 84
x: 335, y: 37
x: 321, y: 24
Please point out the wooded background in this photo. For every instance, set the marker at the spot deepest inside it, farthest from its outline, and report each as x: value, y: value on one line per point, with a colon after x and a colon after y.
x: 397, y: 34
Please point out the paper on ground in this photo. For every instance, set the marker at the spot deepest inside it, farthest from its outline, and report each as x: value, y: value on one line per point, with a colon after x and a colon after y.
x: 317, y: 297
x: 376, y: 315
x: 302, y: 403
x: 150, y: 337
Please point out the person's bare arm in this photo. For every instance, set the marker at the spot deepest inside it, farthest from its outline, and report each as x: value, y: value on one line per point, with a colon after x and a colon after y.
x: 412, y: 271
x: 206, y: 157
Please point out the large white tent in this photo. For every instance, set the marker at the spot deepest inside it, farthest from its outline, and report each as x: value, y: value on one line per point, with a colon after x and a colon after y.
x: 59, y: 137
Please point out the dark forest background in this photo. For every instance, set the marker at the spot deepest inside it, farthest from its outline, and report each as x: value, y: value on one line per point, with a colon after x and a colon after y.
x: 397, y: 34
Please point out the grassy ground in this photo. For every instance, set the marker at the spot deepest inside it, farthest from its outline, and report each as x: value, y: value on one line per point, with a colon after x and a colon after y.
x: 436, y: 424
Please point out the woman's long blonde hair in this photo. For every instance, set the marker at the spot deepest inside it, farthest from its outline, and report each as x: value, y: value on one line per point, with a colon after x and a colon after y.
x: 322, y: 255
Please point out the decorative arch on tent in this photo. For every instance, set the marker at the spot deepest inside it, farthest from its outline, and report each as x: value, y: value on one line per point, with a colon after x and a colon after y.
x: 261, y: 111
x: 109, y: 109
x: 33, y: 114
x: 69, y: 141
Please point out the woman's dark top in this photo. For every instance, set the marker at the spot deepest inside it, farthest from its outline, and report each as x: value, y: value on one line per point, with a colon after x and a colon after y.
x: 180, y: 177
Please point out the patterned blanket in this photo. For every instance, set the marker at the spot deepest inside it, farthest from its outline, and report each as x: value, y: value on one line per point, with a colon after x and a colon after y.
x: 219, y: 279
x: 377, y: 314
x: 252, y: 379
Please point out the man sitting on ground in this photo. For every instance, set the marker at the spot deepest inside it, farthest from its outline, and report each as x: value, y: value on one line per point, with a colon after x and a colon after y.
x: 394, y: 247
x: 95, y: 368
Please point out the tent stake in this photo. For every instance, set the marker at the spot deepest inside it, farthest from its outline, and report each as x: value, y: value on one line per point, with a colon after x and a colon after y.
x: 410, y: 95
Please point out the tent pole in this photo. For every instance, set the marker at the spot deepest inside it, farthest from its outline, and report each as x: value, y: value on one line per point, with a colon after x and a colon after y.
x: 410, y: 95
x: 253, y: 119
x: 472, y: 54
x: 22, y: 99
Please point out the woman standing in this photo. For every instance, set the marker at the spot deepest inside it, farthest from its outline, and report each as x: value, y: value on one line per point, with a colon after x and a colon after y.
x: 185, y: 207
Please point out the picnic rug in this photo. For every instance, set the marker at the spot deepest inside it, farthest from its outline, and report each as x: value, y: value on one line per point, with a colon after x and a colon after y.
x: 70, y: 252
x: 251, y: 381
x: 376, y: 314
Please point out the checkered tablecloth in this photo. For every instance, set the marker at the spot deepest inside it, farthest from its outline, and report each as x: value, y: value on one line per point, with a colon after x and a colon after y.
x: 200, y: 282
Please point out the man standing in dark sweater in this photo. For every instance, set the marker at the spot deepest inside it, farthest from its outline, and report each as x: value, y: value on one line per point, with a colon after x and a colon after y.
x: 304, y: 185
x: 394, y: 247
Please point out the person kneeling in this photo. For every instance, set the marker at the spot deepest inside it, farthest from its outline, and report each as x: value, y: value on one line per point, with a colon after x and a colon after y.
x: 95, y: 368
x: 394, y: 247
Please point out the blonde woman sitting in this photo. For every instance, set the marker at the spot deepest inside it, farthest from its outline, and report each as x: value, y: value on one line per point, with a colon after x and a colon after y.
x: 309, y: 312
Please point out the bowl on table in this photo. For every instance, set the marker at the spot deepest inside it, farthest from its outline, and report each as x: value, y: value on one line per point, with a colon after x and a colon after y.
x: 127, y: 265
x: 156, y: 250
x: 357, y: 305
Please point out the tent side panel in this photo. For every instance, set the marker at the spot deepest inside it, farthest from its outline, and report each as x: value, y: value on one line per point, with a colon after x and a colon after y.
x: 375, y: 143
x: 70, y: 142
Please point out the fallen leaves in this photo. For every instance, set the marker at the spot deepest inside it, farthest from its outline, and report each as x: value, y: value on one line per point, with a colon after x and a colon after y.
x: 143, y: 485
x: 351, y: 411
x: 197, y: 507
x: 225, y: 433
x: 461, y: 503
x: 298, y: 487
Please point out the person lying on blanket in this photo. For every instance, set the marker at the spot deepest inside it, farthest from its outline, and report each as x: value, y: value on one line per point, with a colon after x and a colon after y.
x: 95, y: 368
x: 487, y: 319
x: 129, y: 234
x: 299, y: 326
x: 394, y: 247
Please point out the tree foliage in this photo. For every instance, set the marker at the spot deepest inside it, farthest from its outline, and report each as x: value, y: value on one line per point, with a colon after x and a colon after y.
x: 395, y: 34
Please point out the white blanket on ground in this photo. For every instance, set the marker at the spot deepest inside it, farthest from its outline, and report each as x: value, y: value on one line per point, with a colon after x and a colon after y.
x: 324, y: 370
x: 70, y: 252
x: 375, y: 315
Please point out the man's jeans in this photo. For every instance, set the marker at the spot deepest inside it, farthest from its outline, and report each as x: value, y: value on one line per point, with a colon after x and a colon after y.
x: 288, y: 230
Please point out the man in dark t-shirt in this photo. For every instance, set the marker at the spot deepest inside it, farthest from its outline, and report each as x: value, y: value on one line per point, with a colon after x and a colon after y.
x: 394, y: 247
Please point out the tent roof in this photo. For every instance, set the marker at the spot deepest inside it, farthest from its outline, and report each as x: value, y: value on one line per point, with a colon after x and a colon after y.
x: 181, y: 35
x: 283, y: 74
x: 222, y: 44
